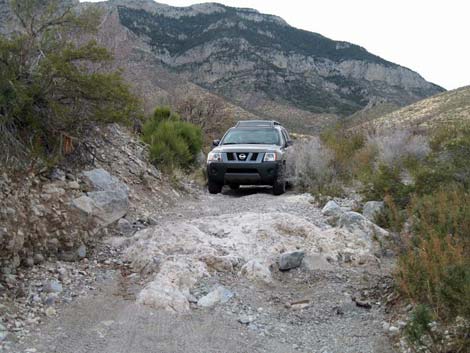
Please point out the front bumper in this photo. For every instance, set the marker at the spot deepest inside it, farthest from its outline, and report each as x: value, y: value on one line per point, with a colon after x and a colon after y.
x: 264, y: 173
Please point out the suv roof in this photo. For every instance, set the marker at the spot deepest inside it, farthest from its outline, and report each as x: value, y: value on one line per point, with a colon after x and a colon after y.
x: 258, y: 123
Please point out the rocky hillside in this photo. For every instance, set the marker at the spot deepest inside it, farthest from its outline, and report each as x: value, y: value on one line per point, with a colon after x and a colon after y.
x: 256, y: 62
x: 444, y: 109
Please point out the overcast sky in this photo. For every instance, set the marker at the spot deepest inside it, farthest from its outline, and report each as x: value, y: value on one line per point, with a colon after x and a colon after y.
x: 428, y: 36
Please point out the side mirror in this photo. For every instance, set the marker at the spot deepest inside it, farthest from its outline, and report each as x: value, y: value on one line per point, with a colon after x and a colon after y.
x: 289, y: 143
x: 215, y: 143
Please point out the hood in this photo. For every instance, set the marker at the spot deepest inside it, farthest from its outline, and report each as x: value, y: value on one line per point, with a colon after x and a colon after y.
x: 246, y: 148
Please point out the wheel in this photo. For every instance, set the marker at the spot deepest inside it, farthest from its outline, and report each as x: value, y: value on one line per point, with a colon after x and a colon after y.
x: 234, y: 186
x: 214, y: 188
x: 279, y: 186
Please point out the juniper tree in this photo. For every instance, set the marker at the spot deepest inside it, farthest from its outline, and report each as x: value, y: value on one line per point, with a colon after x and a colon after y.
x: 54, y: 80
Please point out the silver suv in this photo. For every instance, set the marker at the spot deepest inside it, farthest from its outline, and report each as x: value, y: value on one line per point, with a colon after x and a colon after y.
x: 251, y: 153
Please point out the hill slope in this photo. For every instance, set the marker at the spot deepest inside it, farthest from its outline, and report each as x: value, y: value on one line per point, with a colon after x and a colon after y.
x: 447, y: 108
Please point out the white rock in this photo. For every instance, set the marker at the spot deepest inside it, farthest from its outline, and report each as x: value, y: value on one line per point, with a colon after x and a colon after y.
x: 358, y: 224
x: 73, y: 185
x: 256, y: 271
x: 101, y: 180
x: 170, y: 288
x: 219, y: 295
x: 332, y: 209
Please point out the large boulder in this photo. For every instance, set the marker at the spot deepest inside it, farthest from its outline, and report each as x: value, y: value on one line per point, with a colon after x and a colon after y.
x: 290, y: 260
x: 332, y: 209
x: 110, y: 201
x: 372, y: 209
x: 358, y: 224
x: 100, y: 180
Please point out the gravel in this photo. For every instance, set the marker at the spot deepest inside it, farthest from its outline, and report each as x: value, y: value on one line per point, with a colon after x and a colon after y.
x: 311, y: 308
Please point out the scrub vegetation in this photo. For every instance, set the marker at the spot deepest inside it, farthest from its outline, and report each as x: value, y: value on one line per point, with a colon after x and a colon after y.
x: 424, y: 181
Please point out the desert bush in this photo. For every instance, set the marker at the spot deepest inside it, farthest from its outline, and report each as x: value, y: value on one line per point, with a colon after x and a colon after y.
x: 207, y: 112
x: 344, y: 145
x: 395, y: 148
x: 309, y: 163
x: 392, y: 216
x: 363, y: 162
x: 173, y: 143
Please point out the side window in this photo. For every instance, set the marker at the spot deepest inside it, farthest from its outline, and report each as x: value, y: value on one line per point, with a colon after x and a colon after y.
x: 285, y: 135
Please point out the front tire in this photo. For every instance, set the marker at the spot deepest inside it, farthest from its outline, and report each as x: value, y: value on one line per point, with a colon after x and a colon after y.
x: 279, y: 186
x: 214, y: 188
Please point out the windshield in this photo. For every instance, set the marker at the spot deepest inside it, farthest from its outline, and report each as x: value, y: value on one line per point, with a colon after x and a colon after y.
x: 252, y: 136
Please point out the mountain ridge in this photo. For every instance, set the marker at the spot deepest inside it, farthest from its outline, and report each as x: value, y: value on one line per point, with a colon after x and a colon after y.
x: 258, y: 64
x: 237, y: 52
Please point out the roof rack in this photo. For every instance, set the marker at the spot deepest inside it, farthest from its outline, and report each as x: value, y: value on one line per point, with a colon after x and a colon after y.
x: 258, y: 123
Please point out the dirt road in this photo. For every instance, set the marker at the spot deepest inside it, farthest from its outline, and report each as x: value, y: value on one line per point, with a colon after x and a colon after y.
x: 327, y: 305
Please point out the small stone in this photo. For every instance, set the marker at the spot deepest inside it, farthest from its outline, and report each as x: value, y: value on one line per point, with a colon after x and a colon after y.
x: 3, y: 333
x: 53, y: 286
x: 124, y: 226
x: 50, y: 311
x: 38, y: 258
x: 73, y: 185
x: 50, y: 300
x: 218, y: 295
x: 299, y: 304
x: 152, y: 221
x: 81, y: 251
x: 290, y: 260
x: 393, y: 330
x: 246, y: 319
x: 57, y: 174
x: 29, y: 262
x: 385, y: 326
x: 332, y: 209
x: 362, y: 303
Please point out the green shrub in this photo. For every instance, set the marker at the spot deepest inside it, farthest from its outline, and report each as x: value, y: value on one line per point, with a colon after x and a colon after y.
x: 173, y: 143
x: 387, y: 181
x: 418, y: 327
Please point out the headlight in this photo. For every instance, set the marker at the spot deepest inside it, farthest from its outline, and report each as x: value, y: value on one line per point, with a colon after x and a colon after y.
x: 214, y: 157
x: 270, y: 157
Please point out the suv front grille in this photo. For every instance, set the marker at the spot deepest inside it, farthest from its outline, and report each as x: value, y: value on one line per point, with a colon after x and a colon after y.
x: 242, y: 156
x: 242, y: 170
